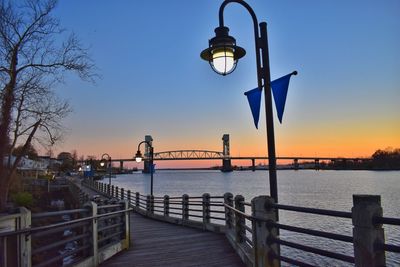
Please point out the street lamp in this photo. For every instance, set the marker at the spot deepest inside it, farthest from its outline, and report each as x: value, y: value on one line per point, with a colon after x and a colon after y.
x: 139, y: 158
x: 223, y: 55
x: 104, y: 159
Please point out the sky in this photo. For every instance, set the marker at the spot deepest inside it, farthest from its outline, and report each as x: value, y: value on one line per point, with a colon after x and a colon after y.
x: 344, y: 101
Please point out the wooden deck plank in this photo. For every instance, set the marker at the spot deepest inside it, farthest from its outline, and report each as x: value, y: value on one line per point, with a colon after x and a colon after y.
x: 155, y: 243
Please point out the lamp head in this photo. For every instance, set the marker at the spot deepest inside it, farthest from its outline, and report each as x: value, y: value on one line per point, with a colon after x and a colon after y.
x: 102, y: 163
x: 138, y: 156
x: 222, y: 53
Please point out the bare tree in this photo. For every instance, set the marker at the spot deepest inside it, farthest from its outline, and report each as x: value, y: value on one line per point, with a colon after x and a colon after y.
x: 32, y: 61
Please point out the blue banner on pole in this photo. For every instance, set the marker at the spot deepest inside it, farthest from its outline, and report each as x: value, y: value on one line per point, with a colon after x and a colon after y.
x: 254, y: 98
x: 279, y: 90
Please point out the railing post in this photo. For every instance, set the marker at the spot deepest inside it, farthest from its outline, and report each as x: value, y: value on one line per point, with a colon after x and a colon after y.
x: 166, y: 205
x: 116, y: 192
x: 93, y: 207
x: 108, y: 190
x: 137, y: 200
x: 122, y: 193
x: 206, y: 209
x: 148, y: 205
x: 152, y: 204
x: 185, y: 207
x: 366, y: 235
x: 127, y: 223
x: 228, y: 200
x: 240, y: 231
x: 25, y: 240
x: 112, y: 190
x: 129, y: 197
x: 262, y: 233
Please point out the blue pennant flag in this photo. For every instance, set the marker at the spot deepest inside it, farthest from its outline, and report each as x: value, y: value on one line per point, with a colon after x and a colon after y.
x: 254, y: 98
x: 279, y: 89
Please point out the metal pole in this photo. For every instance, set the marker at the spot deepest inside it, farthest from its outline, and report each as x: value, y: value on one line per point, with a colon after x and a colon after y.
x: 109, y: 170
x: 266, y: 76
x: 264, y: 81
x: 151, y: 170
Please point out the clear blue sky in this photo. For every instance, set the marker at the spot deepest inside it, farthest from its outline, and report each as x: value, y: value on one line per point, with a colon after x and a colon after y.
x: 344, y: 102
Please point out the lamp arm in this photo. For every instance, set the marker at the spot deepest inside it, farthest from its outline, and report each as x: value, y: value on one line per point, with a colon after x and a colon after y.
x: 105, y: 154
x: 257, y: 37
x: 245, y: 5
x: 148, y: 143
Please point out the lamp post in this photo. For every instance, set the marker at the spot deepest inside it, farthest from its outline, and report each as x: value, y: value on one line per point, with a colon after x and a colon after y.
x: 106, y: 158
x: 223, y: 55
x: 139, y: 157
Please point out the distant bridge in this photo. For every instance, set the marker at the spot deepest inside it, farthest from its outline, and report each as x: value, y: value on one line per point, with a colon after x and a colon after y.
x: 225, y: 156
x: 216, y: 155
x: 189, y: 155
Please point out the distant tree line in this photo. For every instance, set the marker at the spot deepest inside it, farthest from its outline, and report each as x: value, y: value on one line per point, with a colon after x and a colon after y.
x: 387, y: 159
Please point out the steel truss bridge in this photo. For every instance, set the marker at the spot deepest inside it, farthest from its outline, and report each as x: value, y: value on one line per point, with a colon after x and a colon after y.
x: 188, y: 155
x: 217, y: 155
x: 224, y: 156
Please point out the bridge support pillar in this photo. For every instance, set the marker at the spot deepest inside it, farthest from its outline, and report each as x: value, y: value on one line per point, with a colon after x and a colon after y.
x: 147, y: 163
x: 121, y: 165
x: 253, y: 165
x: 317, y: 166
x: 296, y: 164
x: 226, y: 162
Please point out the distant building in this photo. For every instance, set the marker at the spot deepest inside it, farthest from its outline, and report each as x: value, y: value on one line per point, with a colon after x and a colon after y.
x: 27, y: 164
x: 52, y: 163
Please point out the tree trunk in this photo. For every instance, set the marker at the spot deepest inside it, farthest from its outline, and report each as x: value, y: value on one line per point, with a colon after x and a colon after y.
x: 5, y: 121
x: 4, y: 141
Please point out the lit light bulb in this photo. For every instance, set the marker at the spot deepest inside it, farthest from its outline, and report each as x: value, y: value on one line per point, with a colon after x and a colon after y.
x: 223, y: 60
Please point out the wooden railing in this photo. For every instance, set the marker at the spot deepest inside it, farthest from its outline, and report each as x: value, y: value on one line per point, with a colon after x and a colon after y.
x: 78, y: 237
x: 255, y: 236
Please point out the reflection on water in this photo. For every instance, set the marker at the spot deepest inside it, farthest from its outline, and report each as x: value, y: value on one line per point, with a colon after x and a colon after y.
x: 307, y: 188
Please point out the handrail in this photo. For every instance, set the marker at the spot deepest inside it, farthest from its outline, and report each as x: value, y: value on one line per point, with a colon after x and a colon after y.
x: 184, y: 210
x: 56, y: 213
x: 31, y: 230
x: 301, y: 230
x: 250, y: 217
x: 386, y: 220
x: 318, y: 251
x: 342, y: 214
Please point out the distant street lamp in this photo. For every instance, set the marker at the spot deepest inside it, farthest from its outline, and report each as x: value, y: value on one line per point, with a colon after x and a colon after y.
x: 105, y: 158
x: 139, y: 158
x: 223, y: 55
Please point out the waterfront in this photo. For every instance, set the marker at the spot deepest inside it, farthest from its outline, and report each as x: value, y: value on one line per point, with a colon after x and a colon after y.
x: 320, y: 189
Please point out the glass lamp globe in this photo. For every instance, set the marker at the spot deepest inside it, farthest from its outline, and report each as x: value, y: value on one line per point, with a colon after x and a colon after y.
x: 138, y: 156
x: 222, y: 52
x: 223, y: 60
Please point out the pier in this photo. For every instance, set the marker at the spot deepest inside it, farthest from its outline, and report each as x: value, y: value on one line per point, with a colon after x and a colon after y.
x: 117, y: 227
x: 157, y: 243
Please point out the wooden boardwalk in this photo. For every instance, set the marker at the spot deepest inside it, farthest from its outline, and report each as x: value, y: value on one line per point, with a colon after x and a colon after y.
x: 155, y: 243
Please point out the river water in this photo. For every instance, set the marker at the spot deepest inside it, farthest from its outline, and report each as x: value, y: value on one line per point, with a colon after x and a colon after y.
x: 307, y: 188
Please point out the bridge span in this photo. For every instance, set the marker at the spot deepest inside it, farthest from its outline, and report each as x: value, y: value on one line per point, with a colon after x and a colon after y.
x: 226, y: 158
x: 216, y: 155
